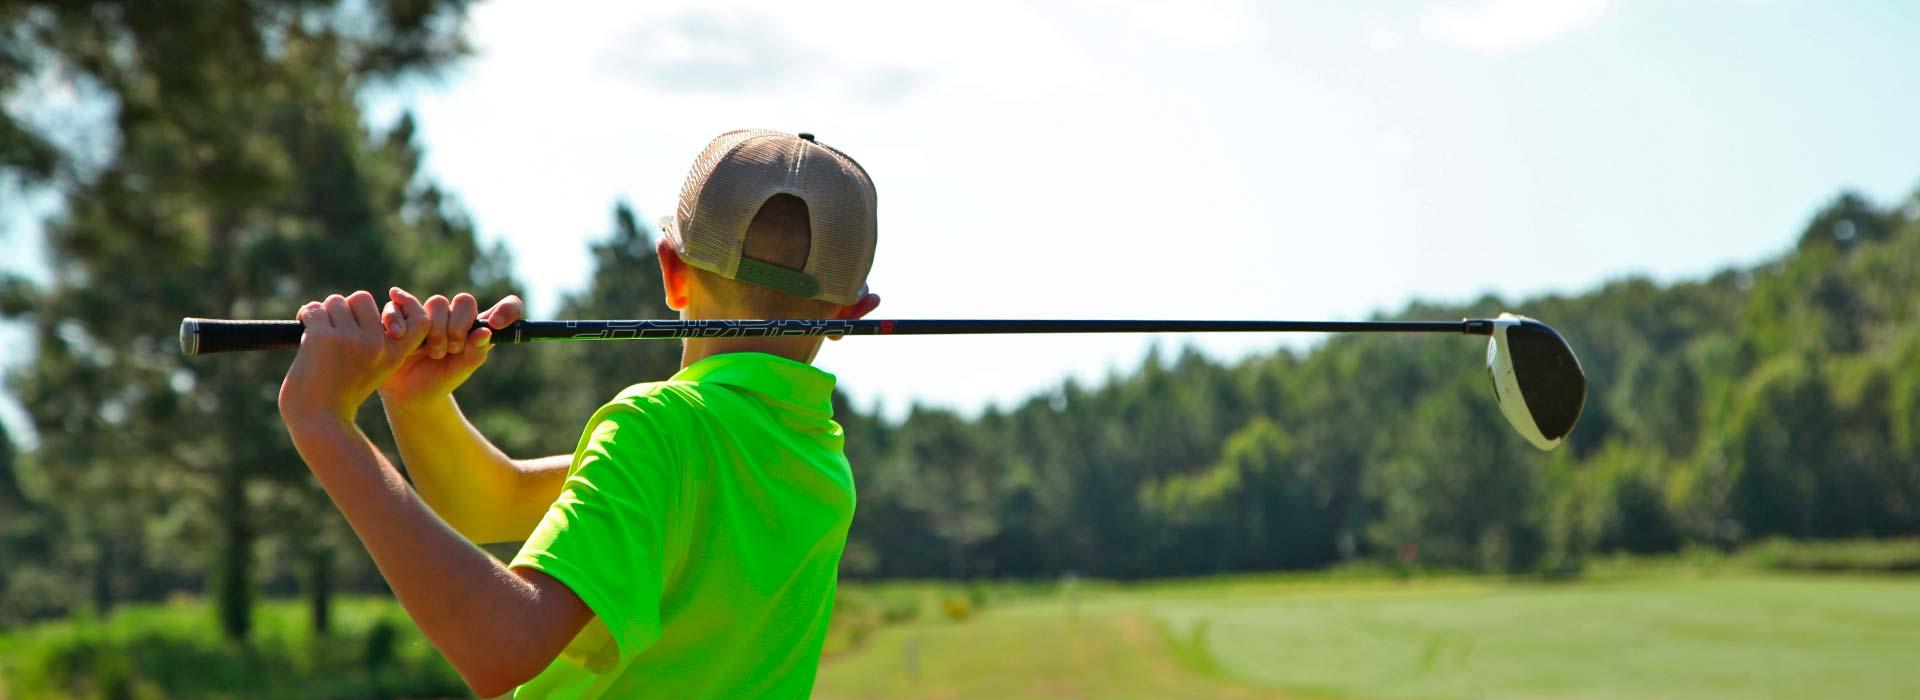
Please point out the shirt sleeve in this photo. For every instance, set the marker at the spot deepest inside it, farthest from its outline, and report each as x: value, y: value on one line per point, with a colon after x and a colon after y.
x: 607, y: 536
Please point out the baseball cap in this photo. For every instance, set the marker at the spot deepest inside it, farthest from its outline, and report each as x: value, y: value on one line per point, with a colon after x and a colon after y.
x: 736, y: 175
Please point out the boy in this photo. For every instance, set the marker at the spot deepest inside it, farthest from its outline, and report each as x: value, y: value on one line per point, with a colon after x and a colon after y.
x: 689, y: 546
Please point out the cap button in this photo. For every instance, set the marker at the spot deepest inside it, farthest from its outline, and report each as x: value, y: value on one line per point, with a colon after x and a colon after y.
x: 804, y: 136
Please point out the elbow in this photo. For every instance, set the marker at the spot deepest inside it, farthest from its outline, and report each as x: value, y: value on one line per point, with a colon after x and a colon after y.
x: 510, y: 650
x: 486, y: 689
x: 497, y: 679
x: 496, y: 669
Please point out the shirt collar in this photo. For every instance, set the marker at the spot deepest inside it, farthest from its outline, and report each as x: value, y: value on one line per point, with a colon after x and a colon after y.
x: 773, y: 376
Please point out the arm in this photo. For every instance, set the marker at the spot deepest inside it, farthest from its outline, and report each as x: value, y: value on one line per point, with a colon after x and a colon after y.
x: 498, y: 627
x: 480, y: 491
x: 484, y: 494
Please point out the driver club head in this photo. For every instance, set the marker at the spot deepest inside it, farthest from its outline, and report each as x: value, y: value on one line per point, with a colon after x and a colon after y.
x: 1537, y: 381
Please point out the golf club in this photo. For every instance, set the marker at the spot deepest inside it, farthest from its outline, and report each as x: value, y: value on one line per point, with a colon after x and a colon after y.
x: 1537, y: 381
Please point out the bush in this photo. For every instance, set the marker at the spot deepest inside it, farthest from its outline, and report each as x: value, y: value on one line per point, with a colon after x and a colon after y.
x: 32, y: 594
x: 1870, y: 556
x: 176, y: 650
x: 900, y: 610
x: 956, y: 608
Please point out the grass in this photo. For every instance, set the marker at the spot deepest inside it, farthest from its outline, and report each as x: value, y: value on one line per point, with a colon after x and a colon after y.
x: 1740, y: 636
x: 1733, y: 633
x: 1026, y: 651
x: 1757, y: 624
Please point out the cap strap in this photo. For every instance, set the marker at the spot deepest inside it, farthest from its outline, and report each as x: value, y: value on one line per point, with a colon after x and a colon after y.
x: 791, y: 281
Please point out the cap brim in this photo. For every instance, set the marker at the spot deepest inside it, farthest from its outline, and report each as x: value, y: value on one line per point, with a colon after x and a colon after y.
x: 670, y: 230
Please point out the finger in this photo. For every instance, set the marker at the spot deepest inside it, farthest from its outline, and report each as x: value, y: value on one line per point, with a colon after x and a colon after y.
x: 505, y: 312
x: 418, y: 325
x: 338, y: 313
x: 366, y: 315
x: 313, y: 315
x: 391, y: 319
x: 480, y: 339
x: 474, y: 356
x: 465, y: 308
x: 437, y: 329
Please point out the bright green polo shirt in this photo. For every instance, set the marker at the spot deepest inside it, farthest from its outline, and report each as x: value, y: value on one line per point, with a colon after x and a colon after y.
x: 702, y: 521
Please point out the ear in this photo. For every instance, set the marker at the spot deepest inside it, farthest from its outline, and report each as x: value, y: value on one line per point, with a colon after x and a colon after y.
x: 857, y: 310
x: 860, y: 308
x: 673, y: 275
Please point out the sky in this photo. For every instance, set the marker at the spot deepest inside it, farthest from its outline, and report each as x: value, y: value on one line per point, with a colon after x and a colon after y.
x: 1189, y: 158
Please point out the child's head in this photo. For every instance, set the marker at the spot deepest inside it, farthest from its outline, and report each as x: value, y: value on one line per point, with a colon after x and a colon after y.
x: 770, y: 226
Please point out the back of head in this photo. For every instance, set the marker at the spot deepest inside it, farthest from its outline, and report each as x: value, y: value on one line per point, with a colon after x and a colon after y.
x: 775, y: 226
x: 780, y: 234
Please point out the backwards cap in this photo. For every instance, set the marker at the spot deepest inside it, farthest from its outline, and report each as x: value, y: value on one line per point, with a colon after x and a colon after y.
x: 736, y: 175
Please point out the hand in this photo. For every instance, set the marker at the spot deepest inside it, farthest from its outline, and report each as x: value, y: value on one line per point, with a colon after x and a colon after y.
x: 451, y: 350
x: 346, y: 352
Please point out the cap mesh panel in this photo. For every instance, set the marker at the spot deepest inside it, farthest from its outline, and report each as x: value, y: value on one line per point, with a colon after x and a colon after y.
x: 740, y: 170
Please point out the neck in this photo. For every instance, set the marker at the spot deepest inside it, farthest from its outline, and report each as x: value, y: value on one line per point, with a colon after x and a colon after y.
x: 796, y: 349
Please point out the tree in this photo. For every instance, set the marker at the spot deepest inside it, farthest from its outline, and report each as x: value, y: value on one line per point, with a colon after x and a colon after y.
x: 625, y: 284
x: 1775, y: 439
x: 1262, y: 506
x: 1848, y: 221
x: 954, y: 485
x: 242, y: 182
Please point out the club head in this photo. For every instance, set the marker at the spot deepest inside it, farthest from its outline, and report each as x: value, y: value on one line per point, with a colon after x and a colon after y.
x: 1537, y: 381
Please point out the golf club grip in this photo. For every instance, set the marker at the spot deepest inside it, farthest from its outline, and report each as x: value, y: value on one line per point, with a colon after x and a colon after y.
x: 205, y: 336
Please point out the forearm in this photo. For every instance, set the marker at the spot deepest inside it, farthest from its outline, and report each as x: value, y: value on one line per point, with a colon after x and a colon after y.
x: 496, y: 628
x: 479, y: 490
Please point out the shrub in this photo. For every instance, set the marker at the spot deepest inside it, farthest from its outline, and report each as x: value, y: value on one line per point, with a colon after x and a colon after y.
x: 956, y: 608
x: 176, y: 650
x: 1873, y: 556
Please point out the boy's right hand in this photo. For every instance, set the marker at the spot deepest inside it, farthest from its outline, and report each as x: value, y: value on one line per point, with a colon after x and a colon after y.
x: 451, y: 350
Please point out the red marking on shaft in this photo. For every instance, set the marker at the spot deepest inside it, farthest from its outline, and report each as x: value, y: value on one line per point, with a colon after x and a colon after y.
x: 886, y: 328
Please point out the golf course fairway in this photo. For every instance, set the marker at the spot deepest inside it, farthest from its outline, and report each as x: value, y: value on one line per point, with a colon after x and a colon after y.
x: 1731, y: 635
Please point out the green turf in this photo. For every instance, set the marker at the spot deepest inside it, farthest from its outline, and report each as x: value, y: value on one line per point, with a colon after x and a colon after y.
x: 1663, y: 630
x: 1730, y: 635
x: 1028, y: 651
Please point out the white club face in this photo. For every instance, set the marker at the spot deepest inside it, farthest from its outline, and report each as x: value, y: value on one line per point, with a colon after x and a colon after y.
x: 1506, y: 385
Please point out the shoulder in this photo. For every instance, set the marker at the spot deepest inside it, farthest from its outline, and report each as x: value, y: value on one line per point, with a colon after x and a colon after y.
x: 661, y: 394
x: 652, y: 401
x: 652, y: 413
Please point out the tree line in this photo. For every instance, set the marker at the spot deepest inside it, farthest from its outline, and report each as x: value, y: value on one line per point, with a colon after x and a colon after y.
x: 242, y: 177
x: 1781, y: 399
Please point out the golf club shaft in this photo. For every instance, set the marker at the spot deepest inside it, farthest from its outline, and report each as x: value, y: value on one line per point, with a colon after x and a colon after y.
x: 201, y: 336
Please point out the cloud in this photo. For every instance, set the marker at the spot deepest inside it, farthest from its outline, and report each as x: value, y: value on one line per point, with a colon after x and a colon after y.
x: 1194, y: 23
x: 714, y: 53
x: 1383, y: 39
x: 702, y: 52
x: 1501, y: 26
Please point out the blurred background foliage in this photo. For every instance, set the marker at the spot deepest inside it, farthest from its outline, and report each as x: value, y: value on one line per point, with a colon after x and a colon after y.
x: 235, y: 175
x: 1771, y: 401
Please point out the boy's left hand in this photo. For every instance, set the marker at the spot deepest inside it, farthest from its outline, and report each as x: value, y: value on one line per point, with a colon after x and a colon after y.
x: 346, y: 353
